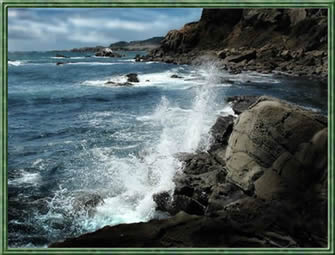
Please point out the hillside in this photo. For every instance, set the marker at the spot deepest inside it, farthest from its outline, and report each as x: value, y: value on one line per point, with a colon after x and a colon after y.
x: 147, y: 44
x: 293, y: 41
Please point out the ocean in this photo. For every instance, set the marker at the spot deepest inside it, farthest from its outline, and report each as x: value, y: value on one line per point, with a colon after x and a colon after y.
x: 83, y: 154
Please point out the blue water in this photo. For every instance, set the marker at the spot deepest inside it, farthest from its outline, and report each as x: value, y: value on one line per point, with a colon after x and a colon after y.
x: 83, y: 154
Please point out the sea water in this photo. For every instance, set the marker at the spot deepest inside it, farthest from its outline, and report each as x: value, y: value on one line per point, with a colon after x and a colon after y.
x: 83, y: 154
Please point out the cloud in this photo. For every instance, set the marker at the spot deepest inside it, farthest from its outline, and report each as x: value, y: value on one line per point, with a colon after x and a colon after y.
x: 91, y: 37
x: 33, y: 28
x: 108, y: 23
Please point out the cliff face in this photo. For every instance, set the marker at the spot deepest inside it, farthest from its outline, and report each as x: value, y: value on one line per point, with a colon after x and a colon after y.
x: 234, y: 28
x: 264, y: 40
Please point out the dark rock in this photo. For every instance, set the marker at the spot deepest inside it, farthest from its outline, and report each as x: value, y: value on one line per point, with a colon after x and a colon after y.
x: 176, y: 76
x: 119, y: 83
x: 60, y: 63
x: 255, y: 39
x: 132, y: 77
x: 222, y: 54
x: 247, y: 55
x: 227, y: 81
x: 178, y: 203
x: 107, y: 52
x: 61, y: 56
x: 222, y: 129
x: 241, y: 103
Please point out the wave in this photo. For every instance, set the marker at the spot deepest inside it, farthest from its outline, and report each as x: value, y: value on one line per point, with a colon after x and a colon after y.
x: 92, y: 63
x: 252, y: 77
x: 132, y: 179
x: 15, y: 63
x: 67, y: 57
x: 127, y: 60
x: 26, y: 178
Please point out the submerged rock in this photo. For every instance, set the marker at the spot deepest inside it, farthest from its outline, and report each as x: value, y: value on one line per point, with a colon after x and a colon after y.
x: 118, y: 83
x: 61, y: 56
x: 176, y: 76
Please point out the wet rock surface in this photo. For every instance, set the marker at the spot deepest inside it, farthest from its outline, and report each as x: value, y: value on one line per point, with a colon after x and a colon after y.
x: 262, y: 183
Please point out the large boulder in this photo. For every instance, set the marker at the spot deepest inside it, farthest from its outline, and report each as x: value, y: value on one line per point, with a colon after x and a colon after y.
x: 273, y: 148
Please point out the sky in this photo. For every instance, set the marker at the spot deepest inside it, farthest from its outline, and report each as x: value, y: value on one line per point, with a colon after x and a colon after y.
x: 41, y: 29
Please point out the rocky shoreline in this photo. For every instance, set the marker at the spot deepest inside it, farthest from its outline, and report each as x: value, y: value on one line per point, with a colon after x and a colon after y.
x: 286, y: 41
x: 262, y: 183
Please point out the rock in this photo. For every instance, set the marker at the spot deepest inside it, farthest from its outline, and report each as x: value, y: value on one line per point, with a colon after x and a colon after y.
x: 138, y: 58
x: 248, y: 222
x: 60, y: 63
x: 200, y: 163
x: 263, y: 150
x: 222, y: 54
x: 61, y: 56
x: 107, y: 52
x: 247, y: 55
x: 241, y: 103
x: 178, y: 203
x: 316, y: 53
x: 296, y: 15
x: 227, y: 81
x: 252, y: 39
x: 176, y: 76
x: 221, y: 130
x: 285, y: 54
x: 132, y: 77
x: 119, y: 83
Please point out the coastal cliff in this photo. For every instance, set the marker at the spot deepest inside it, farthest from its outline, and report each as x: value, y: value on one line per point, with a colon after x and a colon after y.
x: 292, y: 41
x: 262, y: 183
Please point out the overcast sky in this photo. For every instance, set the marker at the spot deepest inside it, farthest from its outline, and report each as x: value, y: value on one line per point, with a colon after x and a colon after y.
x: 66, y: 28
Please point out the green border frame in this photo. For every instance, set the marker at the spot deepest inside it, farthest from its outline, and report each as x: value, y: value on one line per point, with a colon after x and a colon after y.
x: 5, y: 4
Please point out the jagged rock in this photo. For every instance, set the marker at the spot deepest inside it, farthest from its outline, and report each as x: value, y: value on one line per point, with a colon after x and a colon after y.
x: 231, y: 34
x: 221, y: 131
x: 178, y: 203
x: 247, y: 55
